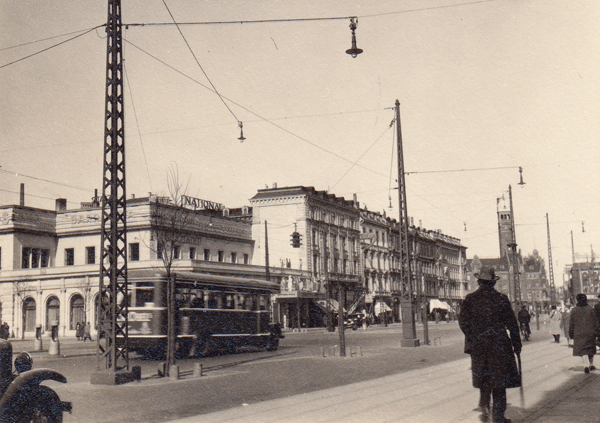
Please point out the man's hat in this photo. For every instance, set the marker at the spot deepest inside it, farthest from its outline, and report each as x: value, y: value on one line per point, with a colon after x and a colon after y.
x: 487, y: 274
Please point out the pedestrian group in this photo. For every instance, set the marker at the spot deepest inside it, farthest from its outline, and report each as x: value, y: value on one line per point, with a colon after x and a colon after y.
x: 493, y: 339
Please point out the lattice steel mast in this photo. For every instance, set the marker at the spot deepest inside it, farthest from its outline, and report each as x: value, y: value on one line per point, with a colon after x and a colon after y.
x: 550, y: 268
x: 409, y: 331
x: 113, y: 358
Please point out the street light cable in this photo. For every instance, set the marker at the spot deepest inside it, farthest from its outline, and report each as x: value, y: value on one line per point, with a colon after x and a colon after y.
x: 256, y: 114
x: 198, y: 62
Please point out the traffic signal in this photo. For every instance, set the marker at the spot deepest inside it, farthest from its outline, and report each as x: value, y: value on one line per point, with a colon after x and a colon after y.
x: 296, y: 237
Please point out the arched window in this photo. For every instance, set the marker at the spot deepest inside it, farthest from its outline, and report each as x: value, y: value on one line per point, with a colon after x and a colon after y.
x: 77, y: 314
x: 52, y: 312
x: 29, y: 314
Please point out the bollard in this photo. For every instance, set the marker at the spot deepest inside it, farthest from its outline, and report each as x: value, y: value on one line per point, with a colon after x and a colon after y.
x: 54, y: 348
x: 174, y: 372
x: 137, y: 373
x: 197, y: 372
x: 37, y: 343
x: 162, y: 369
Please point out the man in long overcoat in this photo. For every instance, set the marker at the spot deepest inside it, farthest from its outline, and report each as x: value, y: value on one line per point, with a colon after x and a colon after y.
x: 583, y: 328
x: 485, y: 317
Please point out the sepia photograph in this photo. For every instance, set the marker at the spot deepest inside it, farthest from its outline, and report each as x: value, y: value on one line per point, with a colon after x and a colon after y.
x: 299, y: 211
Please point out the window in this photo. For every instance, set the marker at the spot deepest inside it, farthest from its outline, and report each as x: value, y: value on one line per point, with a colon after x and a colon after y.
x: 220, y: 256
x: 52, y: 312
x: 69, y: 256
x: 77, y: 311
x: 192, y: 253
x: 159, y: 250
x: 90, y: 255
x: 206, y: 255
x: 35, y: 258
x: 45, y: 257
x: 246, y: 259
x: 134, y: 251
x: 176, y: 252
x: 234, y: 257
x: 25, y: 258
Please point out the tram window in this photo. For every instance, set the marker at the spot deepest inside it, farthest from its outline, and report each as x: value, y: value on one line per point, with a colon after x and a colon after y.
x: 143, y: 296
x: 212, y: 300
x: 251, y: 302
x: 198, y: 302
x: 229, y: 303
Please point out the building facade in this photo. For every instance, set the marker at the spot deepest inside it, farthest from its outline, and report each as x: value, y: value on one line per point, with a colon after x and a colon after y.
x: 49, y: 259
x: 323, y: 265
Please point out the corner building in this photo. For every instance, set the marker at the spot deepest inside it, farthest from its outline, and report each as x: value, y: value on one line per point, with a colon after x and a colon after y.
x: 324, y: 264
x: 49, y: 259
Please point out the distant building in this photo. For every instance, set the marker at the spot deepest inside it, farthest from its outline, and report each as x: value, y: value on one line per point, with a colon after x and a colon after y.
x: 585, y: 279
x: 522, y: 279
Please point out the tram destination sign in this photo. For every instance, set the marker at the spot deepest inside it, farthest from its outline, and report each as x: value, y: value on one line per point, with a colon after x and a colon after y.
x: 199, y: 204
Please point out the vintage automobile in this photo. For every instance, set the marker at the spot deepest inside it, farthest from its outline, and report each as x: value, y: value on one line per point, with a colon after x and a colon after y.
x: 23, y: 399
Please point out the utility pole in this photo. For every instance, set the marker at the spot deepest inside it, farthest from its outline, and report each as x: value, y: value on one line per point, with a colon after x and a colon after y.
x: 409, y: 331
x: 112, y: 355
x: 515, y: 258
x: 550, y: 267
x: 267, y: 270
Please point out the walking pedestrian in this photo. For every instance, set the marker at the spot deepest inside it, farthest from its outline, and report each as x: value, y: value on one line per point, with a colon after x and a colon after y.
x: 485, y: 317
x: 554, y: 328
x: 583, y: 329
x: 597, y: 309
x: 524, y: 319
x: 87, y: 332
x: 78, y: 331
x: 4, y: 331
x: 564, y: 324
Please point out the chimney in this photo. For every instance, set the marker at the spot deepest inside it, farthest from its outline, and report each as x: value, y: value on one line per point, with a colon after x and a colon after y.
x: 274, y: 185
x: 420, y: 223
x: 22, y: 196
x: 95, y: 199
x: 61, y: 205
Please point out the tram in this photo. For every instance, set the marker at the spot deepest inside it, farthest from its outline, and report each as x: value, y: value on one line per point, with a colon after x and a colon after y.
x: 212, y: 312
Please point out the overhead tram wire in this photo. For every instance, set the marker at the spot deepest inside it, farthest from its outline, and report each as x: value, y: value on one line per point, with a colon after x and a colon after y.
x: 49, y: 38
x: 256, y: 114
x: 45, y: 180
x: 137, y: 123
x: 361, y: 156
x: 51, y: 47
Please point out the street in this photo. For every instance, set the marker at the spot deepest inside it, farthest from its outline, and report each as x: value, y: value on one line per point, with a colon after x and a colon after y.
x: 297, y: 367
x: 298, y: 373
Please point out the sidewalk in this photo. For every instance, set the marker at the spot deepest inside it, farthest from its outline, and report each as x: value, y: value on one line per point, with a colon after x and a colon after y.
x: 555, y: 390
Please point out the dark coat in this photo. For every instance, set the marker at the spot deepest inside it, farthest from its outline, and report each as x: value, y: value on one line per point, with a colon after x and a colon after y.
x: 583, y: 329
x: 484, y: 318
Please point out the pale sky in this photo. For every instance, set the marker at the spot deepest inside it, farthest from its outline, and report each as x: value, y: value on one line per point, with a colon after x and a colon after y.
x: 489, y: 85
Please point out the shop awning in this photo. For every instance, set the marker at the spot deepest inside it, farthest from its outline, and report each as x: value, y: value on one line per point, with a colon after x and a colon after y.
x: 327, y: 305
x: 439, y: 304
x: 381, y: 307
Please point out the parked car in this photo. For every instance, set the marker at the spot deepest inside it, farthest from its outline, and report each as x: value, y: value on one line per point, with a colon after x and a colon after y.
x: 23, y: 399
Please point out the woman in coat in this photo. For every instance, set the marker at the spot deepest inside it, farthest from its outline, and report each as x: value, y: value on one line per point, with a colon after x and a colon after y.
x: 564, y: 324
x: 583, y: 329
x: 555, y: 319
x: 79, y: 331
x: 485, y: 317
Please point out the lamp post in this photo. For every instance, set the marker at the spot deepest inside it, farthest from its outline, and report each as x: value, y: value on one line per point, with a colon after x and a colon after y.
x: 409, y: 331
